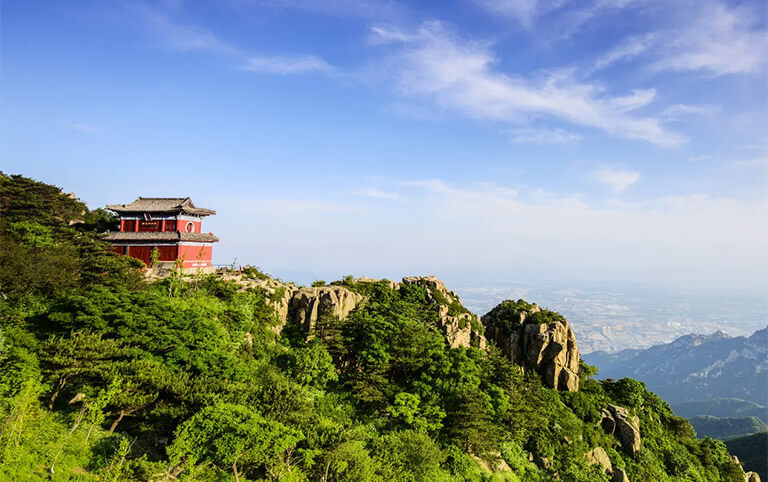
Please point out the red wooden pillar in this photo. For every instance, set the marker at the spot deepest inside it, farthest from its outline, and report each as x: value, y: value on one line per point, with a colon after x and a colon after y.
x: 136, y: 225
x: 162, y: 225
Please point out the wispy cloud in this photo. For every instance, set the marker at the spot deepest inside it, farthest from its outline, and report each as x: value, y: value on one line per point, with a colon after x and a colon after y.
x: 699, y: 158
x: 676, y: 111
x: 708, y: 36
x: 758, y: 162
x: 461, y: 75
x: 286, y: 65
x: 615, y: 179
x: 83, y: 128
x: 720, y: 40
x: 183, y: 37
x: 193, y: 38
x: 629, y: 49
x: 524, y: 11
x: 375, y: 193
x: 543, y: 136
x: 574, y: 14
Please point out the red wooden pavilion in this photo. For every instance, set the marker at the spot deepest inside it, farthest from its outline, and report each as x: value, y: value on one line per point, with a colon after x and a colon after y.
x: 172, y: 226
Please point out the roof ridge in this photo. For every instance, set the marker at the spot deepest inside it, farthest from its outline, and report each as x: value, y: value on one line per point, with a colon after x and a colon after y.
x: 164, y: 198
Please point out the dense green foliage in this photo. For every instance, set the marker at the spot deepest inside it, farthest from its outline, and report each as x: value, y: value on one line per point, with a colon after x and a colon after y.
x: 106, y: 377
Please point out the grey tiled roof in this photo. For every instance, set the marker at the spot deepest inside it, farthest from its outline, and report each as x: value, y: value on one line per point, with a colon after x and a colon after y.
x: 159, y: 236
x: 161, y: 205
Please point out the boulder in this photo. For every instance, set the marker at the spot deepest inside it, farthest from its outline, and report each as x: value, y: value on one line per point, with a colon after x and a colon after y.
x: 751, y: 477
x: 619, y: 475
x: 548, y: 348
x: 392, y: 284
x: 597, y: 456
x: 618, y: 421
x: 306, y: 305
x: 435, y: 287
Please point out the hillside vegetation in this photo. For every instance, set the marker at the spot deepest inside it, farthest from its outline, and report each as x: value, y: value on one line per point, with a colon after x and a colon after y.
x: 724, y: 428
x: 752, y: 451
x: 108, y: 377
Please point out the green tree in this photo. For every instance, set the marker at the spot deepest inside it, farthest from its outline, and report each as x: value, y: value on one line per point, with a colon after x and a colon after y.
x: 236, y: 438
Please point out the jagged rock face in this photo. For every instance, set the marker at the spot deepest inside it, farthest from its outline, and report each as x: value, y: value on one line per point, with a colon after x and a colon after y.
x: 751, y: 477
x: 302, y: 306
x: 308, y: 304
x: 617, y: 421
x: 548, y: 347
x: 597, y: 456
x: 433, y: 285
x: 619, y: 475
x: 271, y: 286
x: 458, y: 329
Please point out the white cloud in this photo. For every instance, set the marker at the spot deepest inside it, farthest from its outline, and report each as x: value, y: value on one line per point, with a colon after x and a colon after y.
x: 543, y: 136
x: 375, y: 193
x: 699, y: 158
x: 461, y: 76
x: 715, y: 38
x: 679, y: 110
x: 573, y: 14
x: 189, y: 38
x: 629, y: 49
x: 701, y: 35
x: 183, y: 37
x: 758, y: 162
x: 286, y: 65
x: 522, y: 10
x: 615, y: 179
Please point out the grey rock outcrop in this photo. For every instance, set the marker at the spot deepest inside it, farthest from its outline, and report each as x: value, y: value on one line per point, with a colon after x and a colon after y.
x: 301, y: 306
x: 618, y: 421
x: 548, y: 348
x: 597, y: 456
x: 460, y: 329
x: 435, y: 287
x: 619, y: 475
x: 306, y: 305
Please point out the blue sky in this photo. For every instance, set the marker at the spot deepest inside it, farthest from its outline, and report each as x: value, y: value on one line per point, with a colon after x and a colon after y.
x: 474, y: 140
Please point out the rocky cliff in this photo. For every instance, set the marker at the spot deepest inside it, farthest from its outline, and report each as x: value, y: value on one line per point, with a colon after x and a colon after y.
x: 461, y: 328
x: 306, y: 305
x: 538, y: 340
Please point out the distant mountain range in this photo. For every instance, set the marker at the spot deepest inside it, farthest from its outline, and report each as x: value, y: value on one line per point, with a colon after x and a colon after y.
x: 696, y: 368
x: 718, y: 382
